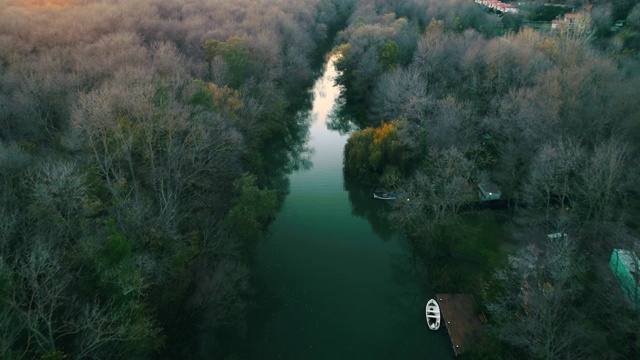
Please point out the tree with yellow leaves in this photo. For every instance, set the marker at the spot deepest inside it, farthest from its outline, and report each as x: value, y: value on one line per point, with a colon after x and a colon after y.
x: 371, y: 152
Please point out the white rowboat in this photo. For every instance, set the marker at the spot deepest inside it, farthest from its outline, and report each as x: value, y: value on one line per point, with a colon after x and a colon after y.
x: 433, y: 314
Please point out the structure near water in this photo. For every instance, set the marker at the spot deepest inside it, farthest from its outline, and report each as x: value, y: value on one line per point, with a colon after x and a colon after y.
x: 626, y: 267
x: 464, y: 327
x: 489, y: 191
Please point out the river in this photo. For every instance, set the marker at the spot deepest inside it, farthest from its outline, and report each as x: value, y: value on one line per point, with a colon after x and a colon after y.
x: 334, y: 281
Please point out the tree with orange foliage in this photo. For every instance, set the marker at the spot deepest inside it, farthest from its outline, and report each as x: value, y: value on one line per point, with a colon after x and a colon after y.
x: 371, y: 152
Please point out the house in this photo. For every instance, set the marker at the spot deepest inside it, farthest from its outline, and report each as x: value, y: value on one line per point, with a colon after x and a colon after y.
x: 507, y: 8
x: 489, y: 191
x: 625, y: 267
x: 488, y: 3
x: 498, y: 5
x: 568, y: 19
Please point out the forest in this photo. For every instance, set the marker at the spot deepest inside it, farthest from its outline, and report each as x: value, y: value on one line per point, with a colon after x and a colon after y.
x: 145, y: 148
x: 446, y: 101
x: 135, y: 182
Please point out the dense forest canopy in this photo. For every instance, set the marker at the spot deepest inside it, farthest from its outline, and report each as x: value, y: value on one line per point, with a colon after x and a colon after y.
x: 144, y: 148
x: 551, y: 117
x: 134, y: 181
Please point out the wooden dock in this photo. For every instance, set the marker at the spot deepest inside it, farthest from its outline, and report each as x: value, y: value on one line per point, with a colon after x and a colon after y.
x: 462, y: 324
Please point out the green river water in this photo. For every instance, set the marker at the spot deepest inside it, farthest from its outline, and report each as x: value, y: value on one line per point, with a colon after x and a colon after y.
x: 334, y: 281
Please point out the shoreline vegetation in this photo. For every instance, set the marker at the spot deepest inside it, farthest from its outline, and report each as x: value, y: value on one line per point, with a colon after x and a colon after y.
x: 145, y: 148
x: 444, y: 103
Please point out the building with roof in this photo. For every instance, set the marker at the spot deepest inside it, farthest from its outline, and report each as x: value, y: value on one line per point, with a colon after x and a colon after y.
x: 568, y: 19
x: 507, y: 8
x: 489, y: 191
x: 626, y: 268
x: 498, y: 5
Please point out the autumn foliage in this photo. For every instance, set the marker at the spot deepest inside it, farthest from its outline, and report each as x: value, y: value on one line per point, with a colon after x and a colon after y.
x: 372, y: 151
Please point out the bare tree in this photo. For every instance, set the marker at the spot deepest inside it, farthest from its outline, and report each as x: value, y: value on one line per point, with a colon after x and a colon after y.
x: 579, y: 30
x: 401, y: 93
x: 553, y: 181
x: 436, y: 194
x: 11, y: 326
x: 452, y: 123
x: 603, y: 180
x: 535, y: 312
x: 59, y: 201
x: 40, y: 295
x: 104, y: 330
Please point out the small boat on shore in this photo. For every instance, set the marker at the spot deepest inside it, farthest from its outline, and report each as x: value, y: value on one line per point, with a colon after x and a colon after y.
x: 433, y: 314
x: 385, y: 195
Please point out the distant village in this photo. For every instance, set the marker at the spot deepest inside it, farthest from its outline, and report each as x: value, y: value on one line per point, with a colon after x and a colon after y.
x: 498, y: 5
x: 504, y: 8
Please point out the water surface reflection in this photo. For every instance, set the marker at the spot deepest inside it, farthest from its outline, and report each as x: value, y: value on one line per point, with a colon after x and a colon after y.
x: 334, y: 281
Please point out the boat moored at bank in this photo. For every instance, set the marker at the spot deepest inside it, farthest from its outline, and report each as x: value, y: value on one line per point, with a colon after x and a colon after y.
x: 433, y: 314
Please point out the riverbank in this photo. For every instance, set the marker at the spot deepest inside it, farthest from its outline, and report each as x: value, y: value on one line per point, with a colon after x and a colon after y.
x: 329, y: 285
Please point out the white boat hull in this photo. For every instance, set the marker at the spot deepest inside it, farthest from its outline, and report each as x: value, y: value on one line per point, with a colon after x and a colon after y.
x: 432, y: 312
x: 384, y: 195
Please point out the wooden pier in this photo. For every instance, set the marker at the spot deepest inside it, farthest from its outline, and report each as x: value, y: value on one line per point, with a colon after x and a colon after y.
x: 462, y: 324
